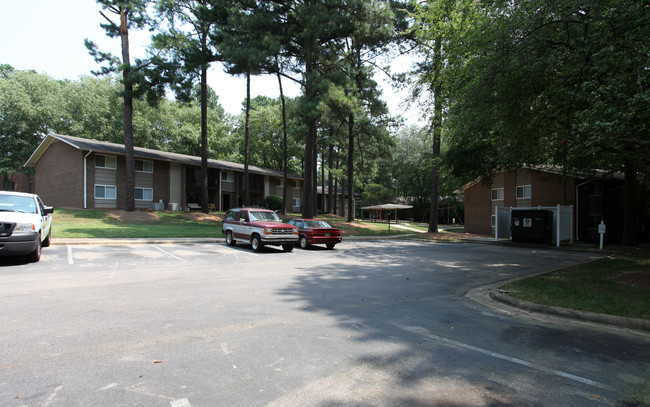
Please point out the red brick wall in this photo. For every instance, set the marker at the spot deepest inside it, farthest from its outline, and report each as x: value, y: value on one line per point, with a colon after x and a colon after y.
x: 21, y: 182
x: 509, y: 189
x: 546, y: 190
x: 59, y: 176
x: 478, y: 207
x: 120, y: 181
x: 161, y: 182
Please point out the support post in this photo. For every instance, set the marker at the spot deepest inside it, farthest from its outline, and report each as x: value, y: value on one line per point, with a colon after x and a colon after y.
x: 601, y: 232
x: 496, y: 223
x: 558, y: 226
x: 571, y: 223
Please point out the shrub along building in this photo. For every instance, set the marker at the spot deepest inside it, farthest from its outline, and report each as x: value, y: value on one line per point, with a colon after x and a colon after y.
x: 76, y: 172
x: 594, y: 198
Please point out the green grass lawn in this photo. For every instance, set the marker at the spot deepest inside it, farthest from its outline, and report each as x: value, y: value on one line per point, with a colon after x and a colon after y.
x: 73, y: 223
x: 617, y: 285
x: 79, y: 223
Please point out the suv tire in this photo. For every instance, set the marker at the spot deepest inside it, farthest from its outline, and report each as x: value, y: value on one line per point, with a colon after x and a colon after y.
x: 230, y: 240
x: 256, y: 243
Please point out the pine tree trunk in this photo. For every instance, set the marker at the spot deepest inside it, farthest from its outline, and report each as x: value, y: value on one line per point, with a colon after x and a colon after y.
x: 247, y: 140
x: 129, y: 196
x: 285, y: 165
x: 336, y: 188
x: 322, y: 183
x: 351, y: 167
x: 204, y: 138
x: 310, y: 72
x: 437, y: 131
x: 314, y: 175
x: 330, y: 187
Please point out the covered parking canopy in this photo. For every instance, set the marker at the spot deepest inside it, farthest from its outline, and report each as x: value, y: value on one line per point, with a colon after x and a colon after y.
x: 384, y: 211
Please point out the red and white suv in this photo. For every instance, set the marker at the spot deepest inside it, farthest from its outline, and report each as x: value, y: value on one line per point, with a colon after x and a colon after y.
x: 259, y: 227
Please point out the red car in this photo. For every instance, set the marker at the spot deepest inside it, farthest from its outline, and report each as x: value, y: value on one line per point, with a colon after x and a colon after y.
x: 315, y: 231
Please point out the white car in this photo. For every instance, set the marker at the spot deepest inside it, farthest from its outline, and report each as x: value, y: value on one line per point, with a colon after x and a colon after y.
x: 25, y: 225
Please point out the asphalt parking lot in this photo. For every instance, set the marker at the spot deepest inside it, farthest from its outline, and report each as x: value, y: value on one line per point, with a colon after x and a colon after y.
x: 384, y: 323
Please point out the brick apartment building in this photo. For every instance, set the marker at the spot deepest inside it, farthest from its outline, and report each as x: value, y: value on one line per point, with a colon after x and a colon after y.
x: 76, y: 172
x: 595, y: 198
x: 18, y: 182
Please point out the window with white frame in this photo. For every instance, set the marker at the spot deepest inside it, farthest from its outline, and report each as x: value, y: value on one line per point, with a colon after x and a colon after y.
x: 105, y: 161
x: 105, y: 192
x: 280, y: 182
x: 144, y: 194
x: 524, y: 192
x: 296, y: 185
x: 493, y: 221
x: 295, y: 202
x: 497, y: 194
x: 144, y: 166
x: 227, y: 176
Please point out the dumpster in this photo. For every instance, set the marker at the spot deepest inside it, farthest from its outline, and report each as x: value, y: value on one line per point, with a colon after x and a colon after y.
x: 532, y: 226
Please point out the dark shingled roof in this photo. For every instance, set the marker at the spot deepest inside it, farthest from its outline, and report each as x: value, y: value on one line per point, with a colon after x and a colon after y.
x: 84, y: 144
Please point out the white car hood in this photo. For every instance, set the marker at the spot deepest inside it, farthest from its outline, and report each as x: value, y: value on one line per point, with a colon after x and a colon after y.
x: 19, y: 217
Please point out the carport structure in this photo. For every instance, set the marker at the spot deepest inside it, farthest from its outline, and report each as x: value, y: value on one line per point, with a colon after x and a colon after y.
x: 383, y: 212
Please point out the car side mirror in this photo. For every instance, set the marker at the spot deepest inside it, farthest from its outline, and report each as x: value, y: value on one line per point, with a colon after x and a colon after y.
x: 48, y: 210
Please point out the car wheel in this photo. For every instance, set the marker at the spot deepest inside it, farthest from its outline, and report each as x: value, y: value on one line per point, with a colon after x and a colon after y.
x: 287, y: 247
x: 230, y: 241
x: 35, y: 256
x: 303, y: 242
x: 48, y: 240
x: 330, y: 245
x: 256, y: 243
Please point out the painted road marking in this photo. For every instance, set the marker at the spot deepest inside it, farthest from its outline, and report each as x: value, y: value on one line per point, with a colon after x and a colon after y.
x: 52, y: 397
x: 424, y: 332
x: 167, y: 253
x: 70, y: 259
x: 180, y: 403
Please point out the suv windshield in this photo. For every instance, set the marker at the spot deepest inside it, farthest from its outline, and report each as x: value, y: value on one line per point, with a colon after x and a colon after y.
x: 14, y: 203
x: 263, y: 215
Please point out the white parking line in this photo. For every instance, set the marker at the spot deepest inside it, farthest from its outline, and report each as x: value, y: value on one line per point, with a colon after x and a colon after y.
x: 52, y: 397
x: 167, y: 253
x: 180, y: 403
x: 424, y: 332
x: 70, y: 259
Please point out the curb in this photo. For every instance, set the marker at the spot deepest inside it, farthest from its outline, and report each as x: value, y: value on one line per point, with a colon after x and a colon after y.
x: 101, y: 241
x: 577, y: 315
x: 148, y: 240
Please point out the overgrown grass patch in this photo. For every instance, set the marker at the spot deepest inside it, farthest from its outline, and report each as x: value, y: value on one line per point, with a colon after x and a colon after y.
x: 76, y: 223
x: 616, y: 285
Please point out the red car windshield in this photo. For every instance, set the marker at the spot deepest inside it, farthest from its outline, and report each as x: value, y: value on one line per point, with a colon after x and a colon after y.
x: 317, y: 224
